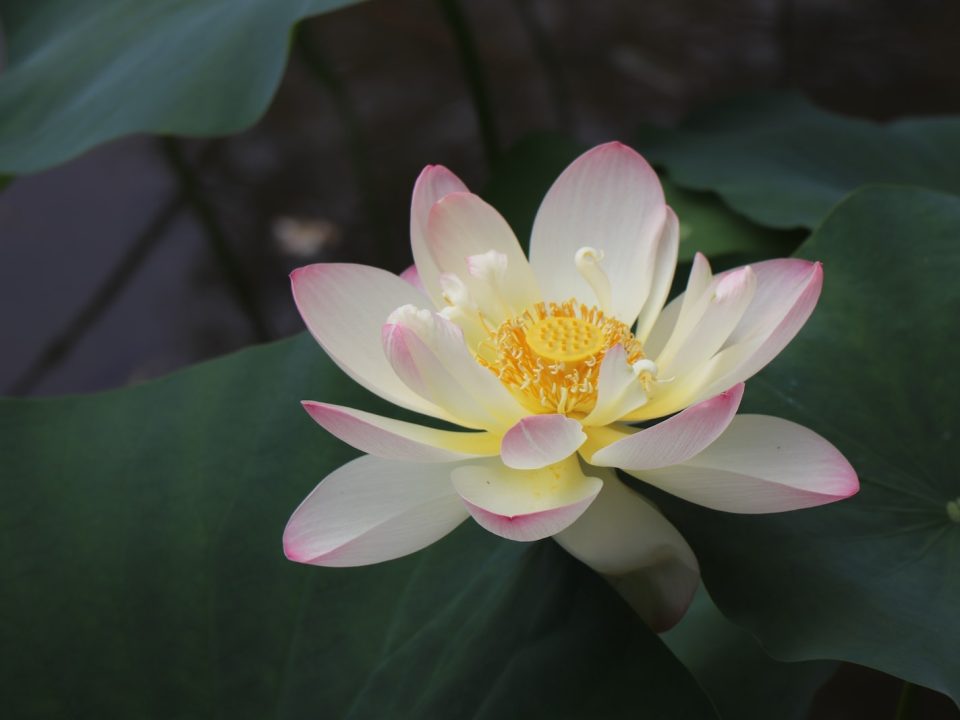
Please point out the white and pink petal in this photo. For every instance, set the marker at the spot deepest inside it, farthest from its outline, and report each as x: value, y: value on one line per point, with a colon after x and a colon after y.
x: 676, y: 439
x: 713, y: 318
x: 675, y: 319
x: 665, y: 264
x: 371, y: 510
x: 427, y: 351
x: 345, y: 306
x: 412, y: 276
x: 626, y: 539
x: 787, y: 292
x: 784, y: 297
x: 525, y: 505
x: 760, y: 464
x: 398, y: 440
x: 540, y: 440
x: 434, y: 183
x: 608, y: 199
x: 469, y: 239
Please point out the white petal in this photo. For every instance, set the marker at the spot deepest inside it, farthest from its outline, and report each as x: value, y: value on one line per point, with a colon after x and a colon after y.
x: 780, y: 284
x: 428, y: 353
x: 540, y: 440
x: 434, y: 183
x: 462, y: 229
x: 623, y: 536
x: 760, y: 464
x: 398, y: 440
x: 609, y: 199
x: 345, y: 307
x: 525, y: 504
x: 713, y: 319
x: 676, y: 316
x: 787, y: 292
x: 371, y: 510
x: 676, y: 439
x: 665, y: 265
x: 412, y: 276
x: 619, y: 389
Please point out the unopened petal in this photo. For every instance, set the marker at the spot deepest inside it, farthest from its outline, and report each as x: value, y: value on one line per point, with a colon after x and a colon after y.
x: 467, y: 238
x: 714, y: 317
x: 429, y: 354
x: 608, y: 199
x: 665, y: 264
x: 675, y: 439
x: 540, y: 440
x: 625, y: 538
x: 525, y: 504
x: 434, y: 183
x: 787, y: 292
x: 760, y: 464
x: 397, y: 440
x: 345, y: 306
x: 371, y: 510
x: 676, y: 318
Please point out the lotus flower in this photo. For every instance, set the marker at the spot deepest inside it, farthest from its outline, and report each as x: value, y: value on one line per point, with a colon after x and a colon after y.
x: 559, y: 369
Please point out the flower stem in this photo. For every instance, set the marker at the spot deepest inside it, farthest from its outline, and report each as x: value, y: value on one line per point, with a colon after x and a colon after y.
x: 905, y: 704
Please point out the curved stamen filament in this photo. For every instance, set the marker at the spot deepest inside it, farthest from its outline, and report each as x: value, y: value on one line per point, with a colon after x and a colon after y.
x: 588, y: 261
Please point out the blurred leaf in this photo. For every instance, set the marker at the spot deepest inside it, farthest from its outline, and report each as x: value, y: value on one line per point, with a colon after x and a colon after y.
x: 743, y: 682
x: 784, y: 163
x: 525, y: 172
x: 875, y: 579
x: 710, y: 227
x: 143, y: 577
x: 81, y: 72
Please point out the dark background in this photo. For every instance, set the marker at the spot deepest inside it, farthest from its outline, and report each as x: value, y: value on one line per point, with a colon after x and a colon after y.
x: 150, y: 254
x: 109, y: 276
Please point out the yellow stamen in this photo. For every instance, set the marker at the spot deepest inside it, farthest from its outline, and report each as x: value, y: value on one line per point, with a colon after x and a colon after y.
x: 549, y: 356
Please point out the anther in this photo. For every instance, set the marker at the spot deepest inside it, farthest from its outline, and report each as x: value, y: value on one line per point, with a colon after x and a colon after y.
x: 644, y: 365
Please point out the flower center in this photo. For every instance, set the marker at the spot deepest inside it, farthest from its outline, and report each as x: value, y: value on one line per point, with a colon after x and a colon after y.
x: 565, y: 339
x: 549, y: 356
